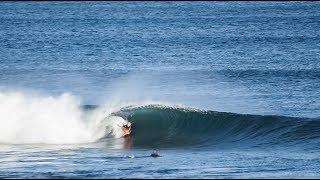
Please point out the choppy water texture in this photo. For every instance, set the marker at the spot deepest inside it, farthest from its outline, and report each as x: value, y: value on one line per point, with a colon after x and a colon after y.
x: 222, y: 89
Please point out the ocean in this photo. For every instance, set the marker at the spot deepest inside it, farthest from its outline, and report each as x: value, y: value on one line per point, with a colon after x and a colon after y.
x: 220, y: 89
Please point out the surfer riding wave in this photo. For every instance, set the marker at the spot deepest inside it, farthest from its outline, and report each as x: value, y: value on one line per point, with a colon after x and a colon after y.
x: 125, y: 130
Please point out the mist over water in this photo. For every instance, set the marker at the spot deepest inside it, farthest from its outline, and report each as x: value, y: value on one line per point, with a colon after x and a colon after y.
x: 222, y: 89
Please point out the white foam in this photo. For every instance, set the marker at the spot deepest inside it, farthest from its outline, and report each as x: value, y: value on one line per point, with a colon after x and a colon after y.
x: 51, y: 120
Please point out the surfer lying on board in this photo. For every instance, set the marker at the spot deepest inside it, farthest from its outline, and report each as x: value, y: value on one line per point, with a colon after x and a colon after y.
x: 155, y: 153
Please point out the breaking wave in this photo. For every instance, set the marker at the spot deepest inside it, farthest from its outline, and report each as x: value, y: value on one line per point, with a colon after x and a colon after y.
x: 29, y: 119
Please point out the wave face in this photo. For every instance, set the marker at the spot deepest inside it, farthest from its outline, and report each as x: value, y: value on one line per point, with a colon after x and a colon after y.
x: 161, y: 126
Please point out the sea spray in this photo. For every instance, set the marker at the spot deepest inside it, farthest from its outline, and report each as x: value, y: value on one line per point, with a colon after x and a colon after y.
x: 30, y: 119
x: 51, y: 120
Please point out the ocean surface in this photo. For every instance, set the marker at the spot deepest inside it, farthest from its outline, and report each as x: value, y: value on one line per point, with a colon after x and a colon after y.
x: 221, y: 89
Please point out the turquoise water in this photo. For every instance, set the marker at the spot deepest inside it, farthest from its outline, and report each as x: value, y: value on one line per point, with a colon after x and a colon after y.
x: 222, y: 89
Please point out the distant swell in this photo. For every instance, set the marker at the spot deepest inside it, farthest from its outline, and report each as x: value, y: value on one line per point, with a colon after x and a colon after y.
x: 161, y: 126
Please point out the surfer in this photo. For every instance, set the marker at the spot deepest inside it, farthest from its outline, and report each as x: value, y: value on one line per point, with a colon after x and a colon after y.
x: 126, y: 129
x: 155, y: 153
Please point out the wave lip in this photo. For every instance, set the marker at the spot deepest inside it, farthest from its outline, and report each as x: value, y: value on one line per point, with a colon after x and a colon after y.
x: 163, y: 126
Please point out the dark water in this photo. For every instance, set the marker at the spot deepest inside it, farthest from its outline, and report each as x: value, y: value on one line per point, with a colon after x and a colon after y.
x: 222, y: 89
